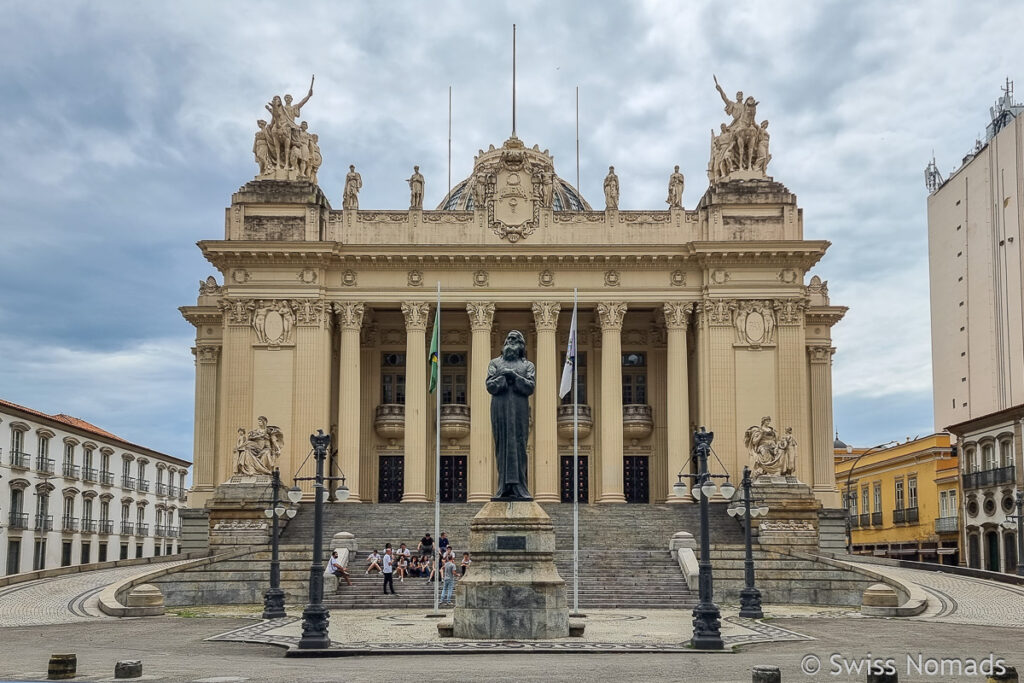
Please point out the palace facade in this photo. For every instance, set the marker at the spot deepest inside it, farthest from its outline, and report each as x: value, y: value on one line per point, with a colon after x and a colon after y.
x: 687, y: 317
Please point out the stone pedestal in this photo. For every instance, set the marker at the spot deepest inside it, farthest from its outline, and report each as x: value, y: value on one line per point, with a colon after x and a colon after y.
x: 236, y: 511
x: 513, y: 590
x: 793, y: 509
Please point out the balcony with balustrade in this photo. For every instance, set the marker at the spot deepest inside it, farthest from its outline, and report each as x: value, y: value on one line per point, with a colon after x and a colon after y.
x: 876, y: 519
x: 161, y: 489
x: 947, y: 525
x: 107, y: 478
x: 989, y: 477
x: 584, y: 421
x: 44, y: 465
x: 69, y: 523
x: 143, y: 529
x: 18, y: 520
x: 88, y: 526
x: 637, y: 421
x: 389, y: 421
x: 20, y: 460
x: 127, y: 528
x: 127, y: 482
x: 106, y: 526
x: 71, y: 470
x: 160, y: 530
x: 143, y: 485
x: 89, y: 474
x: 454, y: 422
x: 43, y: 523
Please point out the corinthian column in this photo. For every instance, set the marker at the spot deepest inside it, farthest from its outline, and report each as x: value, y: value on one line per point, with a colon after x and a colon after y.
x: 611, y: 315
x: 481, y: 442
x: 545, y: 398
x: 820, y: 356
x: 677, y: 418
x: 350, y: 320
x: 416, y: 314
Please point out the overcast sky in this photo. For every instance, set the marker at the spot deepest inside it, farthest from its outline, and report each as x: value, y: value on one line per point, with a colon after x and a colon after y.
x: 128, y: 125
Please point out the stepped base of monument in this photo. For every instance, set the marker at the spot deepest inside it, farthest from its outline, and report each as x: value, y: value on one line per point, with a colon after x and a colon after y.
x: 514, y: 590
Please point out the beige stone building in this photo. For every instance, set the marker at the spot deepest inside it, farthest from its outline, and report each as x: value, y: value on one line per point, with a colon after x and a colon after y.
x: 687, y: 317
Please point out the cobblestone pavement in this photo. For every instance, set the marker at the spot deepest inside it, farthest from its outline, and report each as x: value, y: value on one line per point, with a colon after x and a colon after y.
x: 958, y: 599
x: 63, y: 599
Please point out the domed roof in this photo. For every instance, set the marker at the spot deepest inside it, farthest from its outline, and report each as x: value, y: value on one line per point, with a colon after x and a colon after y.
x: 564, y: 197
x: 838, y: 444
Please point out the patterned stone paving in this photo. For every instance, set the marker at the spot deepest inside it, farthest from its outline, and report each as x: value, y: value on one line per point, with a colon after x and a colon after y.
x: 661, y: 631
x: 63, y: 599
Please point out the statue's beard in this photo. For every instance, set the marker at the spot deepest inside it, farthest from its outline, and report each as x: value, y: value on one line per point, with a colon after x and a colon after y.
x: 508, y: 353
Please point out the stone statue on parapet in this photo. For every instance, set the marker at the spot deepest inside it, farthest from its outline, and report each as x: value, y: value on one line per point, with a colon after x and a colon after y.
x: 611, y: 189
x: 353, y: 183
x: 285, y: 150
x: 510, y: 382
x: 740, y: 151
x: 258, y: 450
x: 770, y: 454
x: 675, y: 190
x: 416, y: 189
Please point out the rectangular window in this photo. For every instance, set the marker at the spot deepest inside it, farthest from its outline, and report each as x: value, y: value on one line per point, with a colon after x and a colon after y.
x: 852, y: 498
x: 899, y: 494
x: 86, y: 552
x: 126, y: 469
x: 1005, y: 453
x: 104, y: 510
x: 39, y: 555
x: 86, y: 511
x: 142, y: 471
x: 17, y: 442
x: 65, y: 554
x: 44, y: 447
x: 634, y: 378
x: 392, y: 378
x: 953, y: 510
x: 912, y: 492
x: 581, y: 379
x: 14, y: 556
x: 105, y: 462
x: 87, y: 459
x: 103, y: 553
x: 138, y: 550
x: 864, y: 499
x: 943, y: 504
x: 124, y: 551
x: 877, y: 489
x: 988, y: 457
x: 69, y: 454
x: 453, y: 378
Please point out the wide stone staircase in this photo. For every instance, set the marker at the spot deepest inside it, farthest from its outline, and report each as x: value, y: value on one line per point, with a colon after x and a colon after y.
x: 624, y: 558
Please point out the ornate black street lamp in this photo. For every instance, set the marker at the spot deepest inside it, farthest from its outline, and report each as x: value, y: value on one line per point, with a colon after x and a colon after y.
x: 1017, y: 520
x: 273, y: 598
x: 707, y: 634
x: 750, y: 597
x: 315, y: 617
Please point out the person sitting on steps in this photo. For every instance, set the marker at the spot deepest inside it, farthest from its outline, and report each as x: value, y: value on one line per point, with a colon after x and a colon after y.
x: 338, y: 571
x: 373, y: 561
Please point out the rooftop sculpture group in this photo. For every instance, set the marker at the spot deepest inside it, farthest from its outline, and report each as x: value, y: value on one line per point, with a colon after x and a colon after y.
x: 741, y: 149
x: 285, y: 150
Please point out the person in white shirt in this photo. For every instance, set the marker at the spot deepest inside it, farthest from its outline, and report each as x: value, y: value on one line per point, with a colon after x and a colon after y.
x: 387, y: 564
x: 373, y: 560
x: 337, y: 570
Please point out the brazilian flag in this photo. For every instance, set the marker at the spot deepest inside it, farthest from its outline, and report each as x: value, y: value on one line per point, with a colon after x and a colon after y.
x: 435, y: 342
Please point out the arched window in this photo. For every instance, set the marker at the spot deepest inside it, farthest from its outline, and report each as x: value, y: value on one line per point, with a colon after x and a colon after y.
x: 970, y: 459
x: 988, y: 457
x: 1006, y: 453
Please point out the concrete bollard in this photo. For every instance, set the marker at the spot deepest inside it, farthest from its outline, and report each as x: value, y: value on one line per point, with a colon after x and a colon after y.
x: 1009, y: 675
x: 62, y: 667
x: 766, y: 674
x: 128, y: 668
x: 884, y: 678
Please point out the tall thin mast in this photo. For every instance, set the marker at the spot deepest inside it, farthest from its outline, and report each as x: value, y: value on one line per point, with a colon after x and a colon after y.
x: 513, y: 80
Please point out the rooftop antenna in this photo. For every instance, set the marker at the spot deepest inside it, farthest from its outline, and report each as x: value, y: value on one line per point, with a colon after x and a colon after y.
x: 578, y: 140
x: 513, y: 80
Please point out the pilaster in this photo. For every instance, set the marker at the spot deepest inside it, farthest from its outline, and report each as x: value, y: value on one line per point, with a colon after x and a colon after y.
x: 236, y: 408
x: 204, y: 469
x: 792, y: 381
x: 481, y: 442
x: 677, y: 319
x: 545, y: 400
x: 820, y: 360
x: 718, y: 378
x: 349, y: 316
x: 311, y: 382
x: 611, y: 315
x: 416, y: 317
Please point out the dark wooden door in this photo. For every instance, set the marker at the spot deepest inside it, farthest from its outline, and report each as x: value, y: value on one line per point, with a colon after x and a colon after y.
x: 391, y: 482
x: 566, y: 479
x: 453, y: 479
x: 634, y: 478
x: 13, y: 556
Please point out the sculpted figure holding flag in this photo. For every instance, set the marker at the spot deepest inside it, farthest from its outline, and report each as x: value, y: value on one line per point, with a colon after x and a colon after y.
x: 510, y: 382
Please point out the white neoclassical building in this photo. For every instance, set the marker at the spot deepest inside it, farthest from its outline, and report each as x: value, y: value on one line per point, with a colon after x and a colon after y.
x: 72, y: 493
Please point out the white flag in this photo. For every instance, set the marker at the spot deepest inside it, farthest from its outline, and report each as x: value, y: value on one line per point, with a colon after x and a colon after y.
x: 570, y: 359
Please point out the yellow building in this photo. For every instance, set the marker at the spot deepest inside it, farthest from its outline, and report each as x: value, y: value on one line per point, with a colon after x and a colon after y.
x: 902, y: 500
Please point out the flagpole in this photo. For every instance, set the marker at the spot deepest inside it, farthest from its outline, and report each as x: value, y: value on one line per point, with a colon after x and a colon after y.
x: 575, y: 467
x: 437, y: 464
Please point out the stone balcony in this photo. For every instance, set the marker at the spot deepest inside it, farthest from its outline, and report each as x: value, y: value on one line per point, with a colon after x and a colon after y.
x: 389, y: 421
x: 585, y: 421
x: 637, y: 421
x: 454, y: 422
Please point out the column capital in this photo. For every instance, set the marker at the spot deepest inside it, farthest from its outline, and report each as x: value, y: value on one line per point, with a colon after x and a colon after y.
x: 677, y: 314
x: 310, y: 312
x: 790, y: 311
x: 206, y: 353
x: 349, y: 314
x: 545, y: 314
x: 611, y: 315
x: 416, y: 314
x: 716, y: 312
x: 237, y: 312
x: 820, y: 353
x: 481, y: 315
